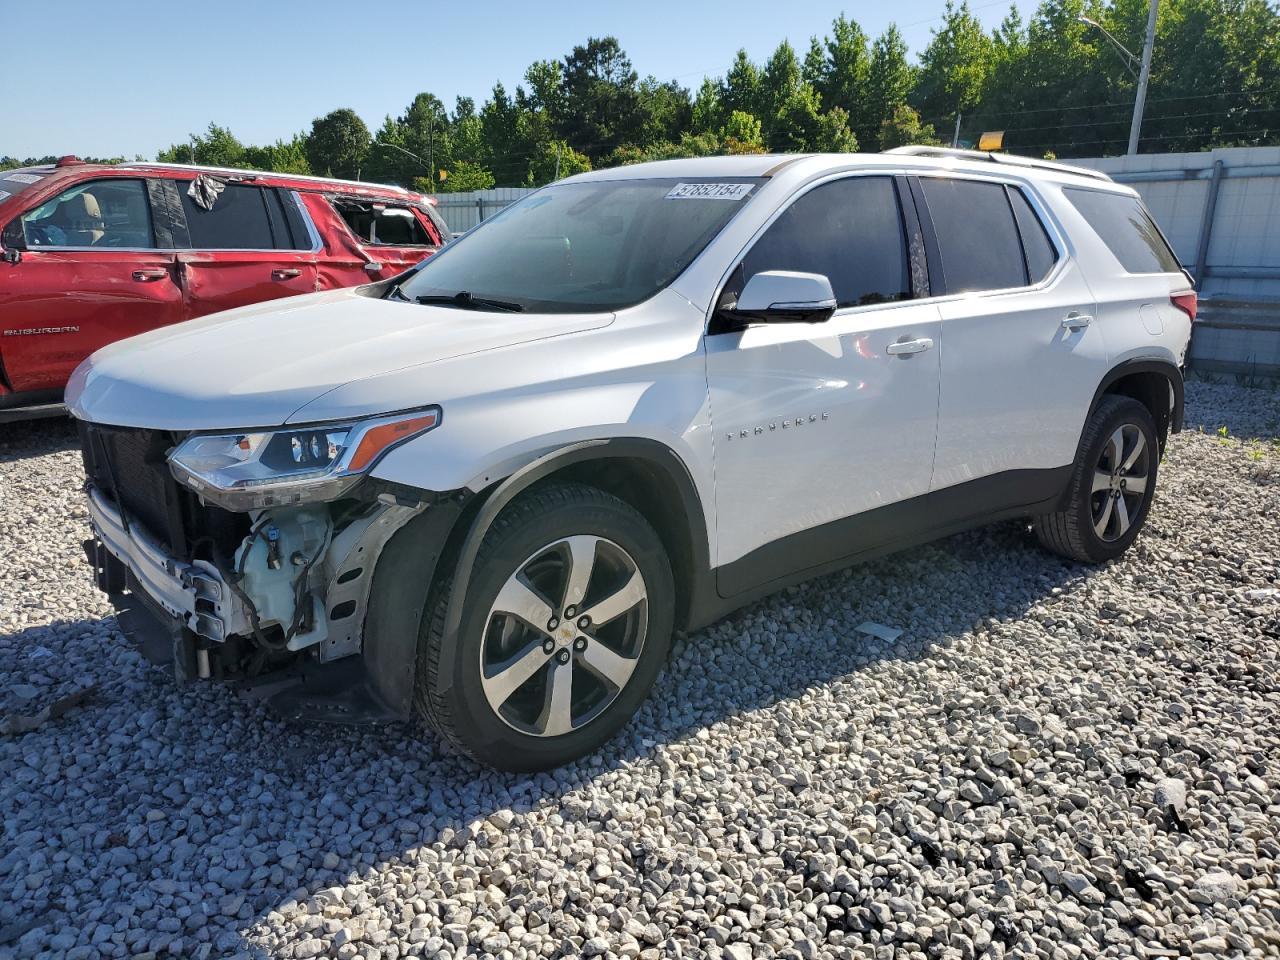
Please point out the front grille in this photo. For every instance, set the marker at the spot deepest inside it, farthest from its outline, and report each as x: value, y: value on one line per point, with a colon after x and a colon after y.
x: 129, y: 465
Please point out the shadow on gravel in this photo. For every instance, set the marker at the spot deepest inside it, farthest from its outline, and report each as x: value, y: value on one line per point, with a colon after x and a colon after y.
x: 36, y: 438
x: 203, y: 808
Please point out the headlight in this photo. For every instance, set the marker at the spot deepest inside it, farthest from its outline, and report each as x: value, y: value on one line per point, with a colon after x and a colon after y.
x: 249, y: 471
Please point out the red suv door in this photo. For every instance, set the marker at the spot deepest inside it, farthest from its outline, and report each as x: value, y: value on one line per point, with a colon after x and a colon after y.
x: 370, y: 239
x: 91, y: 273
x: 251, y: 245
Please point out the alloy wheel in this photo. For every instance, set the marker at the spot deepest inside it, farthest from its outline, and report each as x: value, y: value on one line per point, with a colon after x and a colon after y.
x: 564, y: 635
x: 1120, y: 482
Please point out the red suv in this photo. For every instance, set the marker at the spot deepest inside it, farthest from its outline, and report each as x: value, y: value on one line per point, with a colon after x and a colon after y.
x: 94, y: 253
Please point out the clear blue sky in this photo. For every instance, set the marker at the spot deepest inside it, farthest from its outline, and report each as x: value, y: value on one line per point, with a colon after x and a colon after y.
x: 133, y: 76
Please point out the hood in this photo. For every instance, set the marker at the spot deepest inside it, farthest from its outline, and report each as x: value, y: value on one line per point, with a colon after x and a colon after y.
x: 254, y: 366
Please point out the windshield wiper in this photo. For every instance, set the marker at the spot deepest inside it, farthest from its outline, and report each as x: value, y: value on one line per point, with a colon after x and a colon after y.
x: 464, y: 299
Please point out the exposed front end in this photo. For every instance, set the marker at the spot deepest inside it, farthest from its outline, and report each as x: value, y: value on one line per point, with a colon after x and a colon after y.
x: 273, y: 596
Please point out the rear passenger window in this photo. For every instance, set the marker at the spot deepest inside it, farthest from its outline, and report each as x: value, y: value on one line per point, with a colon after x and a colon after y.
x: 848, y: 230
x: 1127, y: 229
x: 242, y: 218
x: 383, y: 224
x: 1041, y: 256
x: 977, y: 239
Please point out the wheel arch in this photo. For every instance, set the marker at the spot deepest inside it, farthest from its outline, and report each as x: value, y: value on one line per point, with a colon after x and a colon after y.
x: 645, y: 473
x: 1156, y: 384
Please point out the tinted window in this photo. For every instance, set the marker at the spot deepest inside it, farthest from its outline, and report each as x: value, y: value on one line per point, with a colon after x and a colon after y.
x: 1127, y: 229
x: 848, y: 230
x: 239, y: 220
x: 100, y: 213
x: 977, y: 239
x: 1041, y: 256
x: 380, y: 223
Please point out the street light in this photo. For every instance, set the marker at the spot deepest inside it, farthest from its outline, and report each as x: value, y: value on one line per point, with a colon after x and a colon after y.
x: 407, y: 153
x: 1142, y: 74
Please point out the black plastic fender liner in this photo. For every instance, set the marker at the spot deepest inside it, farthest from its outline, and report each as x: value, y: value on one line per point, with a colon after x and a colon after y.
x: 402, y: 580
x: 1165, y: 368
x: 640, y: 448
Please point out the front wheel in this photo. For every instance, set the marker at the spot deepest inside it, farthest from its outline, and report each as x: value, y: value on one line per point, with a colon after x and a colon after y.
x: 1112, y: 483
x: 567, y: 621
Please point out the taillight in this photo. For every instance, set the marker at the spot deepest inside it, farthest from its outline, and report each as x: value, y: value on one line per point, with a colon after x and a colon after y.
x: 1186, y: 302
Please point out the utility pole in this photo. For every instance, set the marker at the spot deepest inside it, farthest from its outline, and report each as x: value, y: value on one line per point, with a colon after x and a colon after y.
x: 557, y: 160
x: 1140, y: 102
x: 955, y: 137
x: 1141, y: 74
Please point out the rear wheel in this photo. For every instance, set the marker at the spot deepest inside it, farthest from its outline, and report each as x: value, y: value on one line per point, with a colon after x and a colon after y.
x: 1112, y: 484
x: 568, y: 618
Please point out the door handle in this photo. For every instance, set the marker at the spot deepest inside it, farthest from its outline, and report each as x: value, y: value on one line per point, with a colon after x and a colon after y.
x: 373, y: 267
x: 1076, y: 321
x: 905, y: 348
x: 288, y: 274
x: 150, y: 274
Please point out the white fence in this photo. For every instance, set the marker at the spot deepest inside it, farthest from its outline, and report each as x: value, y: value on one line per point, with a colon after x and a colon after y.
x: 462, y: 211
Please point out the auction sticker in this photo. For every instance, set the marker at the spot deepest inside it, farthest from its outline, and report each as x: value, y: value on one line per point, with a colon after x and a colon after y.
x: 24, y: 177
x: 710, y: 191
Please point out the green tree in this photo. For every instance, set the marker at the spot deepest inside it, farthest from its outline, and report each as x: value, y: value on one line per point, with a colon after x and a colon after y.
x: 741, y: 133
x: 337, y: 144
x: 550, y: 156
x: 903, y: 127
x: 283, y: 156
x: 217, y: 147
x: 665, y: 111
x: 463, y: 176
x: 954, y: 66
x: 844, y: 79
x: 500, y: 124
x: 601, y: 99
x: 740, y: 89
x: 780, y: 82
x: 707, y: 112
x: 889, y: 82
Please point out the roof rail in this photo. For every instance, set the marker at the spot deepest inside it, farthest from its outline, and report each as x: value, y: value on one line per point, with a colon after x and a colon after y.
x: 263, y: 173
x: 1013, y: 160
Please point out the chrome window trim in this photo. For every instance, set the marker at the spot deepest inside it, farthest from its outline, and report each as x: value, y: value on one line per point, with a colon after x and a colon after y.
x: 312, y: 232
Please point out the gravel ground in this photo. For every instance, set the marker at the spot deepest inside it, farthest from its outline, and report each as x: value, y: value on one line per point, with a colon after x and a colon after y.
x: 1052, y: 761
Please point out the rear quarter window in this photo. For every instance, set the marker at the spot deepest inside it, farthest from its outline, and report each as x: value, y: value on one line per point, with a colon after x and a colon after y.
x: 1124, y: 225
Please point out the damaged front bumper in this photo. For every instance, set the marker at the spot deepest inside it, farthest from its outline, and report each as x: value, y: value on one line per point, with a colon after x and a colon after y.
x: 192, y: 594
x: 193, y: 615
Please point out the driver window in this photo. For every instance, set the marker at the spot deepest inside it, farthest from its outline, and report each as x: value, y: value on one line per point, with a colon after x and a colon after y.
x: 100, y: 213
x: 848, y: 230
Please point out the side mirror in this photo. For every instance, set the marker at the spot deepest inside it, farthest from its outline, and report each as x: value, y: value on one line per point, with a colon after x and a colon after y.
x: 13, y: 240
x: 781, y: 296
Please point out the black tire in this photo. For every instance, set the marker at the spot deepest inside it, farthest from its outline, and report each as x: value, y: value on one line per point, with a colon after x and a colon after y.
x: 1072, y: 532
x: 459, y: 708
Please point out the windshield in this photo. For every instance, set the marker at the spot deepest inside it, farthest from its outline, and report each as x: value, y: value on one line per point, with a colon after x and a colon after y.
x: 578, y: 247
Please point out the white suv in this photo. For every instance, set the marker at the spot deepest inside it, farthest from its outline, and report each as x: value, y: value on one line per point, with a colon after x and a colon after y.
x: 633, y: 401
